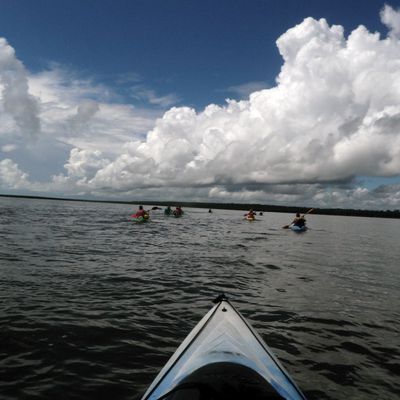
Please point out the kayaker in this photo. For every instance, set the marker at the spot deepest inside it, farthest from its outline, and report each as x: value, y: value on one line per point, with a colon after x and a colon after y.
x: 141, y: 213
x: 178, y: 211
x: 250, y: 214
x: 168, y: 210
x: 299, y: 220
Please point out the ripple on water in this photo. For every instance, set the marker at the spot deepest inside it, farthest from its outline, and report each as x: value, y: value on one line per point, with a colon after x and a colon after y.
x: 93, y: 305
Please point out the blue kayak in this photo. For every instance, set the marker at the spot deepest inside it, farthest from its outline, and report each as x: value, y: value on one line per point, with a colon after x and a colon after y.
x: 223, y: 357
x: 297, y: 228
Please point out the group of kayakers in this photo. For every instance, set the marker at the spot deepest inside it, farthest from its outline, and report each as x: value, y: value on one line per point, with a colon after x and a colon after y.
x: 142, y: 215
x: 299, y: 220
x: 178, y: 212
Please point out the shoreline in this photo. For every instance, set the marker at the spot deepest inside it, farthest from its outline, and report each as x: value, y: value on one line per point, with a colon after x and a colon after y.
x: 393, y: 214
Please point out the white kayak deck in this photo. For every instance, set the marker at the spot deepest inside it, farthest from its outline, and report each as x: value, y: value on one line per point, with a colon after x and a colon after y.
x: 223, y: 335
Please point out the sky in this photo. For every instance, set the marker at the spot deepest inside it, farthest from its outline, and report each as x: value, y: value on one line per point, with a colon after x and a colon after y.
x: 275, y: 102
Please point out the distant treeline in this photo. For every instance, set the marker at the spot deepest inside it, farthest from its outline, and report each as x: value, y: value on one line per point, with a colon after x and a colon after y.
x: 237, y: 206
x: 281, y: 209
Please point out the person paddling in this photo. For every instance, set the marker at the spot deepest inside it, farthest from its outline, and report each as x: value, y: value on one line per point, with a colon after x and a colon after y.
x: 299, y: 220
x: 250, y: 215
x: 141, y: 213
x: 168, y: 211
x: 178, y: 211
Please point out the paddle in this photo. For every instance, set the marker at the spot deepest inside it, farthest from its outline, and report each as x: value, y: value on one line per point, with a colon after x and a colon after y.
x: 308, y: 212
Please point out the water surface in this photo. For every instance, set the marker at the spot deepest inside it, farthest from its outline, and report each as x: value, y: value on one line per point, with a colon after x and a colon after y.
x: 93, y: 305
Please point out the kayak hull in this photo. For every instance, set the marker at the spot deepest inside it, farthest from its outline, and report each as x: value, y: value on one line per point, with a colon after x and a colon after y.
x: 223, y: 344
x: 140, y: 219
x: 296, y: 228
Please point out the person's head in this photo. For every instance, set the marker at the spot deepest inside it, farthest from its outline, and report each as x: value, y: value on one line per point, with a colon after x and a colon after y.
x: 140, y: 207
x: 298, y: 215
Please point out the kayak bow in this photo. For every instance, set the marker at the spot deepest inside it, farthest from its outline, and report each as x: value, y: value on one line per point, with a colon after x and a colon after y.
x: 223, y: 357
x: 297, y: 228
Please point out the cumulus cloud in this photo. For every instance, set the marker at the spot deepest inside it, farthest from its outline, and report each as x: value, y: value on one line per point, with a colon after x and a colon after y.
x: 333, y: 115
x: 11, y: 177
x: 16, y: 101
x: 82, y: 164
x: 245, y: 89
x: 391, y: 18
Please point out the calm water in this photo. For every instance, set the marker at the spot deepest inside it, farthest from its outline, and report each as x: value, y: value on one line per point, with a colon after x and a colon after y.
x: 93, y: 305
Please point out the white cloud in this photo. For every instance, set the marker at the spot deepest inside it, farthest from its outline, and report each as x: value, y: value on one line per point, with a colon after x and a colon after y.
x: 391, y: 18
x: 84, y: 163
x: 16, y: 101
x: 322, y: 122
x: 86, y: 110
x: 333, y: 115
x: 245, y: 89
x: 8, y: 148
x: 11, y: 177
x: 142, y: 93
x: 87, y: 115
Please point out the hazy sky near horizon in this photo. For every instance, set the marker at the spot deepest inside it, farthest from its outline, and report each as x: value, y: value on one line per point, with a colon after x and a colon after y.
x: 274, y: 102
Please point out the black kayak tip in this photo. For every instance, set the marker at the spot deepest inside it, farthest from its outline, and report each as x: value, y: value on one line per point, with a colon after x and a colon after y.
x: 220, y: 298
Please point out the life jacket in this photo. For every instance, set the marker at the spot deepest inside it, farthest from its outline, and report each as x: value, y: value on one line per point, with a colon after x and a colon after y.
x: 141, y: 213
x: 300, y: 222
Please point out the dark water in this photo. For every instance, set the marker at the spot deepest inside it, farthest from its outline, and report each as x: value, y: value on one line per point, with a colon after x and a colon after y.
x: 92, y: 305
